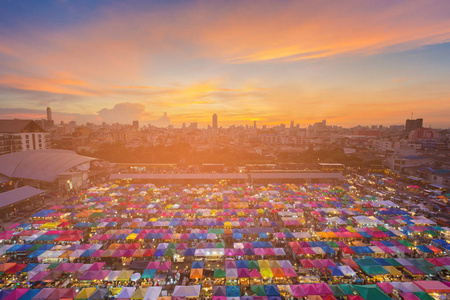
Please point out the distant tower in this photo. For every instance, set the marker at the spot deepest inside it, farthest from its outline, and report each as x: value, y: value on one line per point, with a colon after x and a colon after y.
x: 214, y: 121
x: 49, y: 114
x: 254, y: 124
x: 136, y: 124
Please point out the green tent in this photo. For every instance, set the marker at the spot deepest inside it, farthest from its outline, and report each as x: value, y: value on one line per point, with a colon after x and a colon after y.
x: 371, y: 292
x: 427, y: 270
x: 393, y: 262
x: 97, y: 215
x: 149, y: 273
x: 35, y: 247
x: 337, y: 290
x: 258, y: 290
x: 215, y: 230
x: 423, y: 296
x: 366, y: 262
x: 406, y: 243
x: 347, y: 288
x: 169, y: 252
x: 422, y: 262
x: 172, y: 246
x: 432, y: 233
x: 374, y: 270
x: 53, y: 265
x: 219, y: 273
x: 332, y: 244
x: 253, y: 264
x: 220, y: 245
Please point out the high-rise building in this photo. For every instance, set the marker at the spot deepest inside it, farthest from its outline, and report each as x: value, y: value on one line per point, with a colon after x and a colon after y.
x: 136, y: 124
x: 214, y: 121
x: 49, y: 114
x: 413, y: 124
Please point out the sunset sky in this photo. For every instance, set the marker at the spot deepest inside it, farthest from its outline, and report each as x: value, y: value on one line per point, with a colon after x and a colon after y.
x: 350, y: 62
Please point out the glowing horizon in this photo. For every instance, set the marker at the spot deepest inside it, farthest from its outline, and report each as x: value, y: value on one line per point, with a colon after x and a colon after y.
x: 352, y: 63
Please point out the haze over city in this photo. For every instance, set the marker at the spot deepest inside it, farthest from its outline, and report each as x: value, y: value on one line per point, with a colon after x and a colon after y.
x: 352, y: 62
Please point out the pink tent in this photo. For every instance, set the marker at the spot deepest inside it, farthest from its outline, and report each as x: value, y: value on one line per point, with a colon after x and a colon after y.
x: 310, y: 289
x: 298, y: 291
x: 243, y: 273
x: 289, y: 272
x: 165, y: 265
x: 259, y: 251
x: 323, y: 288
x: 433, y: 286
x: 153, y: 265
x: 409, y: 296
x: 96, y: 266
x: 385, y: 287
x: 255, y: 274
x: 16, y: 294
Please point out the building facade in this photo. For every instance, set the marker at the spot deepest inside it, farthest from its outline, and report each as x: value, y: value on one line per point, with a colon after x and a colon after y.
x: 22, y: 135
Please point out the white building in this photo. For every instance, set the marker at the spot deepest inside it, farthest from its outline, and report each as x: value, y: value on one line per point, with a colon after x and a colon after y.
x: 22, y: 135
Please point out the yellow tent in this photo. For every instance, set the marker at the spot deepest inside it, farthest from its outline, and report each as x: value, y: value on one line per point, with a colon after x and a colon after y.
x: 85, y: 293
x: 139, y: 293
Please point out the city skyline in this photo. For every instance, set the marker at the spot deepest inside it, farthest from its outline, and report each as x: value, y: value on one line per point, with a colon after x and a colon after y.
x: 358, y: 63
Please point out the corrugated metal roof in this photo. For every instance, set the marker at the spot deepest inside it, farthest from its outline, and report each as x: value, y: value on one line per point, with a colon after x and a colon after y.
x: 17, y: 195
x: 44, y: 165
x: 225, y: 176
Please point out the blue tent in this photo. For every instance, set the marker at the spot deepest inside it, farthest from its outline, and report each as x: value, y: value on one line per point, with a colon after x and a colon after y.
x: 272, y: 290
x: 36, y: 253
x: 87, y: 253
x: 425, y: 249
x: 328, y: 249
x: 387, y: 243
x: 382, y: 262
x: 159, y: 252
x: 237, y: 236
x: 30, y: 267
x: 189, y: 252
x: 197, y: 265
x: 242, y: 264
x: 335, y: 271
x: 233, y: 291
x: 43, y: 213
x: 30, y: 294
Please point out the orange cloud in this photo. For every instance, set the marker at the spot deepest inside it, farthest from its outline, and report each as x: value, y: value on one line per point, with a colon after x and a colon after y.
x: 167, y: 57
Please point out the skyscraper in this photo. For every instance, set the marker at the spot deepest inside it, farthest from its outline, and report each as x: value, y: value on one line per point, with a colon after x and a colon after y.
x: 413, y: 124
x: 49, y: 114
x: 214, y: 121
